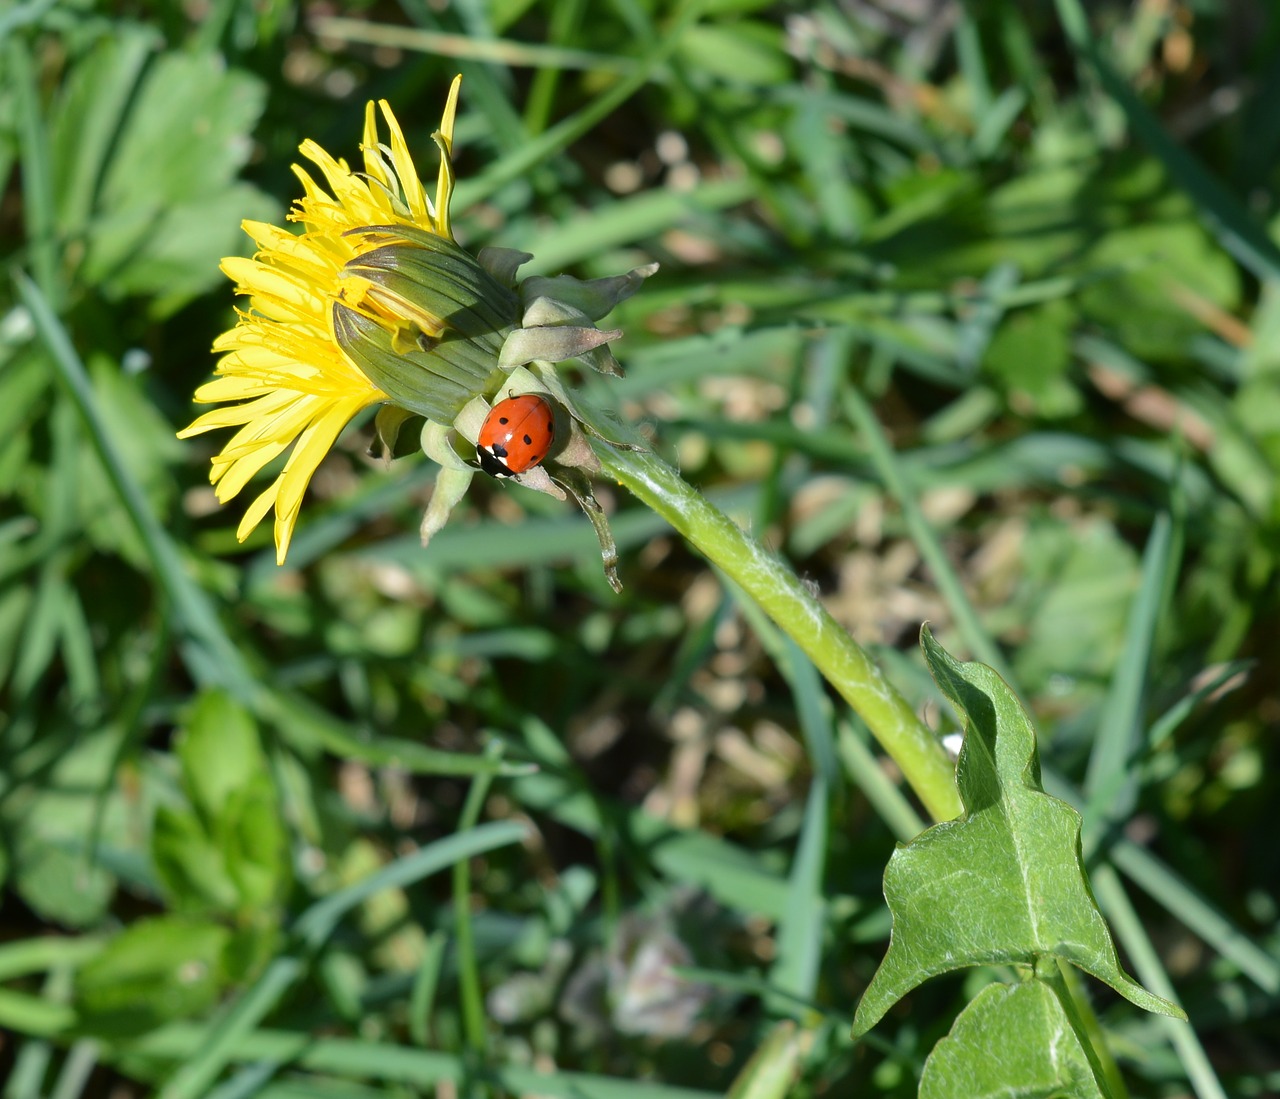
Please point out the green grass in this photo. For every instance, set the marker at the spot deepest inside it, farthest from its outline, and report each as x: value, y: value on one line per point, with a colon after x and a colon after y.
x: 972, y: 324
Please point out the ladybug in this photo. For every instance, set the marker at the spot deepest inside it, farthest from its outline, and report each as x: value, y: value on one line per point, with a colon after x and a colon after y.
x: 516, y: 435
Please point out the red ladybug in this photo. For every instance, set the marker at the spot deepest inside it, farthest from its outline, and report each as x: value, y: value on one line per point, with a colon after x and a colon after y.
x: 516, y: 435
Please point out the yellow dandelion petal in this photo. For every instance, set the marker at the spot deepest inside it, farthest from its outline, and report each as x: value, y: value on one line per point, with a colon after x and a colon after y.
x: 282, y: 381
x: 357, y: 202
x: 231, y: 477
x: 450, y: 113
x: 415, y: 198
x: 444, y: 181
x: 375, y: 167
x: 231, y: 416
x: 257, y: 511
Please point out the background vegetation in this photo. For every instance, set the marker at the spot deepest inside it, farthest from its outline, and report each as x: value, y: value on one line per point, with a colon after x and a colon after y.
x: 968, y: 321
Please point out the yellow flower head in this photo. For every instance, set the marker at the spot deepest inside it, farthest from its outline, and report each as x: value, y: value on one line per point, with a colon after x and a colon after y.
x: 283, y: 379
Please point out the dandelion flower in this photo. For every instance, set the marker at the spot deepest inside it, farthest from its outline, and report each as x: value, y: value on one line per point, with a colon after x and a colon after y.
x: 283, y: 378
x: 374, y: 302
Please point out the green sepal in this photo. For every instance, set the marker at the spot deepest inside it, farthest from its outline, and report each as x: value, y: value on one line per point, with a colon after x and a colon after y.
x: 437, y: 274
x: 503, y: 263
x: 595, y: 298
x: 451, y: 486
x: 577, y: 485
x: 434, y: 382
x: 396, y: 430
x: 436, y: 442
x: 525, y: 345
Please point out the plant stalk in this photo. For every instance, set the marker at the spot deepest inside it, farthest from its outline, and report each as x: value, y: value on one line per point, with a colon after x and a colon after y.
x: 769, y: 581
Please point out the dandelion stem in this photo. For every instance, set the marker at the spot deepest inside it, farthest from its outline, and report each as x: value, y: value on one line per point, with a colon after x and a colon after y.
x: 785, y: 599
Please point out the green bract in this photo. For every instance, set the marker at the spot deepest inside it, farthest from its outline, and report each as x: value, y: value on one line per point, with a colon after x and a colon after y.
x: 445, y: 334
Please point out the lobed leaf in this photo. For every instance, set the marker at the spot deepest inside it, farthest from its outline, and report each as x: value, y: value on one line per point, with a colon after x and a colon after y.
x: 1005, y: 883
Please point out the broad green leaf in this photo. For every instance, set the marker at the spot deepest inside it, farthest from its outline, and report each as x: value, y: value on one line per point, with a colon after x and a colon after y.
x: 168, y: 207
x: 53, y: 813
x: 1080, y: 578
x: 87, y: 117
x: 743, y: 52
x: 255, y: 844
x: 1010, y: 1040
x: 1005, y: 883
x: 232, y: 852
x: 189, y: 864
x: 156, y: 971
x: 1151, y: 310
x: 1030, y: 354
x: 219, y: 751
x: 59, y: 885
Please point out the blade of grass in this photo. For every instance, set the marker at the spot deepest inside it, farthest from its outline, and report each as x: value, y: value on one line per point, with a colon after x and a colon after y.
x: 731, y: 874
x: 1177, y: 897
x: 37, y: 1016
x: 1146, y: 961
x: 799, y: 935
x: 398, y: 1064
x: 564, y: 23
x: 33, y: 1060
x: 473, y: 1015
x: 425, y: 982
x: 38, y: 205
x: 77, y: 1067
x: 27, y: 956
x: 865, y: 772
x: 1110, y: 785
x: 627, y: 220
x: 464, y: 47
x: 57, y: 536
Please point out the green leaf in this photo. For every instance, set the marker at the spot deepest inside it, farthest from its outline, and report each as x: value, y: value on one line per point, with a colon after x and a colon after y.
x: 168, y: 206
x: 190, y: 866
x: 743, y: 52
x: 1080, y: 578
x: 156, y: 971
x: 1149, y: 309
x: 59, y: 885
x: 219, y: 751
x: 1003, y: 884
x: 88, y: 115
x: 397, y: 432
x: 147, y: 448
x: 255, y: 843
x: 1030, y: 354
x: 232, y: 852
x: 1010, y: 1040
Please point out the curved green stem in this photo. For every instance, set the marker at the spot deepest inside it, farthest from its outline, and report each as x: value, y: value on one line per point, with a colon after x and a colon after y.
x: 786, y: 600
